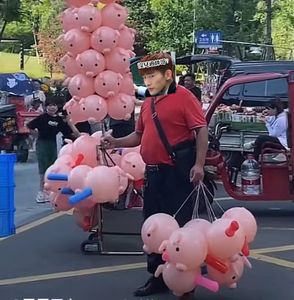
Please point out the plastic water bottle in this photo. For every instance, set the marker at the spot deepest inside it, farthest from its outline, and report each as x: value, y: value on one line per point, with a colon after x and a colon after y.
x: 250, y: 176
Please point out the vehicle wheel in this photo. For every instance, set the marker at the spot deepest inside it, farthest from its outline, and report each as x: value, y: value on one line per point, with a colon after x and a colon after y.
x: 90, y: 247
x: 234, y: 159
x: 209, y: 195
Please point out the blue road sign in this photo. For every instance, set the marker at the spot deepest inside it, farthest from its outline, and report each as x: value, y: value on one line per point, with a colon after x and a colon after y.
x: 208, y: 39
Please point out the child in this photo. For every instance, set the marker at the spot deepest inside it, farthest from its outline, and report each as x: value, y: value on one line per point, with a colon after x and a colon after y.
x: 48, y: 126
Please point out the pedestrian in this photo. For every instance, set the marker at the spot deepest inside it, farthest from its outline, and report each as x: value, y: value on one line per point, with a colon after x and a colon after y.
x: 169, y: 179
x: 48, y: 125
x: 190, y: 84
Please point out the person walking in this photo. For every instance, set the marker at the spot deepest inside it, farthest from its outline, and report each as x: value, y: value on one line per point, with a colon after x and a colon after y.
x: 168, y: 179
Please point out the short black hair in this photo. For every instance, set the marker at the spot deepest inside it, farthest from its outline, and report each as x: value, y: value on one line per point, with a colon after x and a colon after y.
x: 190, y: 75
x: 278, y: 104
x: 51, y: 99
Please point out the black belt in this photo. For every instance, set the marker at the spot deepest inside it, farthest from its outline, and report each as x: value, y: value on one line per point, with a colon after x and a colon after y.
x: 158, y: 167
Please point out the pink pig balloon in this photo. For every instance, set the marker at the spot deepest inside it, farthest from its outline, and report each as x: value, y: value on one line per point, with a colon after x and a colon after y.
x: 77, y: 176
x: 127, y: 86
x: 82, y: 218
x: 69, y: 20
x: 104, y: 39
x: 66, y: 149
x: 156, y: 229
x: 133, y: 164
x: 225, y: 238
x: 185, y: 248
x: 94, y: 108
x: 86, y: 145
x: 76, y: 41
x: 123, y: 180
x: 127, y: 38
x: 59, y: 202
x: 131, y: 149
x: 97, y: 136
x: 90, y: 62
x: 77, y: 3
x: 245, y: 218
x: 121, y: 106
x: 81, y: 86
x: 69, y: 66
x: 56, y: 185
x: 114, y: 15
x: 73, y: 109
x: 201, y: 225
x: 118, y: 60
x: 108, y: 83
x: 89, y: 18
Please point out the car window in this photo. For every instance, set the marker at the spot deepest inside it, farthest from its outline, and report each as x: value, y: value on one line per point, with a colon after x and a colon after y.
x: 235, y: 90
x: 277, y: 87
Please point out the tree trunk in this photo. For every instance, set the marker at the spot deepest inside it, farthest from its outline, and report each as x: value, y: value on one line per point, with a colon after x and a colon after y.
x: 2, y: 29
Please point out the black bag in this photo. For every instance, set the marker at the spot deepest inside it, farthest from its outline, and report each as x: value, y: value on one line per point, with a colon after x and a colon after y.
x: 183, y: 154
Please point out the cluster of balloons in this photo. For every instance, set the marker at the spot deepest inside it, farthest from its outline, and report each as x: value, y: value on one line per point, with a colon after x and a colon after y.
x: 79, y: 179
x: 222, y: 245
x: 98, y: 47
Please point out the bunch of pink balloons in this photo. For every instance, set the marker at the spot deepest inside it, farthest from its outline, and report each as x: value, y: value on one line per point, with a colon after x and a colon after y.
x: 222, y: 245
x: 98, y: 47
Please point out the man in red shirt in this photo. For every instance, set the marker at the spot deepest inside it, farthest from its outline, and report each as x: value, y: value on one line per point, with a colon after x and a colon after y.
x: 182, y: 119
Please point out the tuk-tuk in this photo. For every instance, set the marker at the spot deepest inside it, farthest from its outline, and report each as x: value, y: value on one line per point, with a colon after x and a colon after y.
x: 276, y: 178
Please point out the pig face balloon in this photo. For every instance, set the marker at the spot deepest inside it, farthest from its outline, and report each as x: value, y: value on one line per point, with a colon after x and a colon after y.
x: 104, y: 39
x: 76, y: 41
x: 127, y: 86
x: 89, y: 18
x: 118, y: 60
x: 69, y: 19
x: 107, y: 84
x: 65, y: 150
x: 201, y: 225
x: 94, y: 108
x: 81, y: 86
x: 114, y: 15
x: 121, y: 106
x: 56, y: 185
x: 77, y: 3
x: 91, y: 62
x: 69, y: 66
x: 77, y: 176
x: 74, y: 112
x: 59, y: 202
x: 127, y: 38
x: 133, y: 164
x: 156, y: 229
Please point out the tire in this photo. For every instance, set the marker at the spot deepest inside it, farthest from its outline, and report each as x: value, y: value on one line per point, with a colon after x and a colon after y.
x: 209, y: 195
x: 234, y: 159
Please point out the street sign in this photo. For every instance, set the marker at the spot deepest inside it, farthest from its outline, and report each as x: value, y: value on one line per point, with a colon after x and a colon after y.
x: 208, y: 39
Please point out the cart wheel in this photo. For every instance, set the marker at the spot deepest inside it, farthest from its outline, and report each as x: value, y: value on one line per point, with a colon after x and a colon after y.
x: 93, y: 237
x: 90, y: 247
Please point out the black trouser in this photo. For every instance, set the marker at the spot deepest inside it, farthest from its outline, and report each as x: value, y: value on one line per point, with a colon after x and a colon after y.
x: 164, y: 192
x: 260, y: 141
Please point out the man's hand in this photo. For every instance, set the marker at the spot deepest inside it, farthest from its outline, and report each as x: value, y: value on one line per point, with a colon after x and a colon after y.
x: 108, y: 141
x: 196, y: 174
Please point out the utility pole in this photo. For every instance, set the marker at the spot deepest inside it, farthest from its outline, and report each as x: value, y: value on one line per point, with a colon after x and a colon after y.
x: 269, y: 51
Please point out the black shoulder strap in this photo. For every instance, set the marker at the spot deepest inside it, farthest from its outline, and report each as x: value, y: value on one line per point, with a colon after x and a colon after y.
x: 161, y: 132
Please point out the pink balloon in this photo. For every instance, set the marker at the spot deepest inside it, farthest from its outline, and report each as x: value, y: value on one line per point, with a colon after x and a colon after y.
x: 133, y: 164
x: 76, y: 41
x: 225, y: 238
x: 97, y: 136
x: 66, y: 159
x: 59, y: 202
x: 156, y: 229
x: 69, y: 19
x: 66, y: 149
x: 77, y: 3
x: 127, y: 38
x: 131, y: 149
x: 185, y: 248
x: 73, y: 109
x: 90, y: 62
x: 69, y: 66
x: 201, y: 225
x: 83, y: 218
x: 77, y: 176
x: 245, y: 218
x: 114, y: 15
x: 116, y: 158
x: 89, y: 18
x: 107, y: 84
x: 81, y: 86
x: 127, y: 86
x: 121, y: 106
x: 118, y: 60
x: 123, y: 180
x: 104, y: 39
x: 56, y: 185
x: 94, y: 108
x: 86, y: 145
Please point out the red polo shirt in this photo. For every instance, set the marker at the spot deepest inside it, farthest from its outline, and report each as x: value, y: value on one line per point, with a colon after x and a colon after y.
x: 179, y: 113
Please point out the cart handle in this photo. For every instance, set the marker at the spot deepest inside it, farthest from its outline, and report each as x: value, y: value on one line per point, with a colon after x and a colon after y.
x: 61, y: 177
x: 87, y: 192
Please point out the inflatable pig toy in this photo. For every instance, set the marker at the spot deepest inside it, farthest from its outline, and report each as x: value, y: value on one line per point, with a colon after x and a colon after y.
x: 114, y: 15
x: 185, y: 249
x: 69, y: 20
x: 69, y: 67
x: 181, y: 282
x: 127, y: 38
x: 90, y: 62
x: 82, y: 218
x: 77, y: 176
x: 118, y: 60
x: 156, y: 229
x: 65, y: 150
x: 56, y: 185
x: 133, y: 164
x: 89, y: 18
x: 75, y: 41
x: 201, y: 225
x: 127, y: 86
x: 104, y: 39
x: 107, y: 84
x: 73, y: 110
x: 225, y: 238
x: 235, y: 271
x: 97, y: 136
x: 121, y: 106
x: 94, y: 108
x: 77, y: 3
x: 81, y: 86
x: 59, y: 202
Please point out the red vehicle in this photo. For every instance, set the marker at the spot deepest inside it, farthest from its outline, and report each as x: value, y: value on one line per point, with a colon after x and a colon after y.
x: 277, y: 180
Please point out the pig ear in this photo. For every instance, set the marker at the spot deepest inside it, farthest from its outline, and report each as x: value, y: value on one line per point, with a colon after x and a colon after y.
x: 130, y: 177
x: 177, y: 238
x: 117, y: 33
x: 68, y: 141
x: 82, y: 101
x: 247, y: 262
x: 163, y: 246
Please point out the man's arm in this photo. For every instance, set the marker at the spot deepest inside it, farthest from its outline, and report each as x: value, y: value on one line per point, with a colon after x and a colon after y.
x: 201, y: 145
x: 131, y: 140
